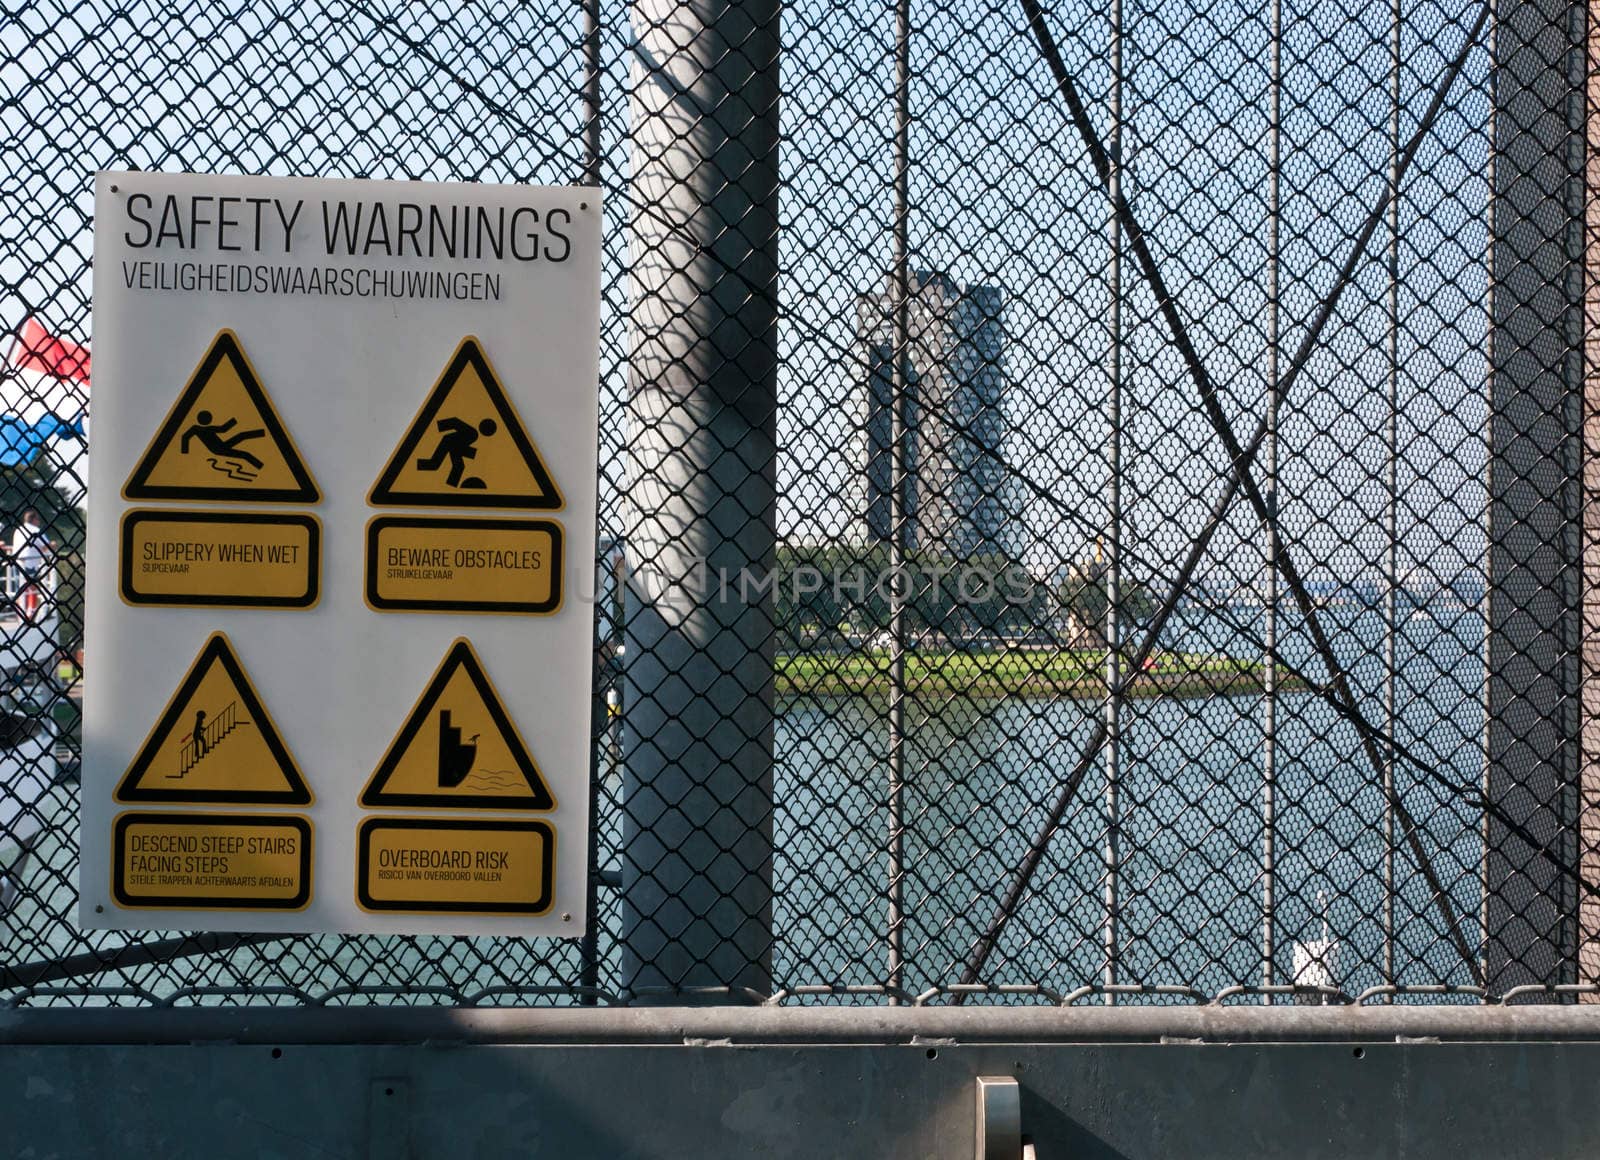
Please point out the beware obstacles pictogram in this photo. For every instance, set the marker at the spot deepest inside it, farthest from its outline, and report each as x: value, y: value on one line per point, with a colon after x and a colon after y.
x: 467, y: 447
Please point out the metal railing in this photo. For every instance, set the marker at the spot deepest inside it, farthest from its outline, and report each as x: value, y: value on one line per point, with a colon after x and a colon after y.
x: 20, y: 581
x: 1120, y: 533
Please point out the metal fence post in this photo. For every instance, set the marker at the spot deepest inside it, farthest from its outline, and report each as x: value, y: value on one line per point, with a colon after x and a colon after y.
x: 1391, y: 507
x: 901, y: 426
x: 1535, y: 439
x: 599, y: 712
x: 1111, y: 934
x: 702, y: 407
x: 1589, y: 903
x: 1269, y: 722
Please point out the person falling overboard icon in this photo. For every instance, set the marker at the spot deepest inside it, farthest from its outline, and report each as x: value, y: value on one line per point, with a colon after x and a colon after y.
x: 457, y: 444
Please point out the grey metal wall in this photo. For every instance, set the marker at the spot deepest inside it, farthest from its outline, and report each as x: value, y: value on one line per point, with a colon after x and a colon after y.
x: 1094, y: 1086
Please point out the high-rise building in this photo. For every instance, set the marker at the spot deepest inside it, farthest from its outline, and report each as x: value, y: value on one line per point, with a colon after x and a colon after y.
x: 954, y: 417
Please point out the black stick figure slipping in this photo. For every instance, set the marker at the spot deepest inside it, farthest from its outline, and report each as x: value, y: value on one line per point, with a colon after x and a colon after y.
x: 210, y: 436
x: 457, y: 444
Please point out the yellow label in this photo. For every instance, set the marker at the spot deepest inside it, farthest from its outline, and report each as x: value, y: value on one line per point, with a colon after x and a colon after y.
x: 223, y: 440
x: 227, y: 559
x: 444, y: 564
x: 455, y: 866
x: 211, y: 861
x: 214, y: 742
x: 458, y: 748
x: 467, y: 447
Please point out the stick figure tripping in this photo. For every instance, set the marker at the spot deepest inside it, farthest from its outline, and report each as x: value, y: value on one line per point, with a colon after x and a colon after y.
x: 458, y: 444
x: 210, y: 436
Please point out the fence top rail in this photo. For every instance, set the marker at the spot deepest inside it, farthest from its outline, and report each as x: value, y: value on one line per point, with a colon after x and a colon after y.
x: 926, y: 1027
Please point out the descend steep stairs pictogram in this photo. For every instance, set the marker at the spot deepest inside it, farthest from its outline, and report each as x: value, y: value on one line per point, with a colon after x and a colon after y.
x: 203, y: 742
x: 215, y: 742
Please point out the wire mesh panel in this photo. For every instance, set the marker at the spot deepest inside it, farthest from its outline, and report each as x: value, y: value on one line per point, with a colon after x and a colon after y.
x: 1092, y: 496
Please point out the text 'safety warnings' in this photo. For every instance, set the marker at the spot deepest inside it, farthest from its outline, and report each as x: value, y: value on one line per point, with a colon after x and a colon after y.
x: 222, y: 440
x: 458, y: 748
x: 214, y: 742
x: 452, y: 564
x: 218, y: 559
x: 455, y: 866
x: 211, y: 861
x: 467, y: 447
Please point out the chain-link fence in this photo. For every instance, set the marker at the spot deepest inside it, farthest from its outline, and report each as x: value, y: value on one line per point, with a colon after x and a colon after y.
x: 1092, y: 501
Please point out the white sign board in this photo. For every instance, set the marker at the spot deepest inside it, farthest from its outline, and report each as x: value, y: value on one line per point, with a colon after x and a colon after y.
x: 338, y: 634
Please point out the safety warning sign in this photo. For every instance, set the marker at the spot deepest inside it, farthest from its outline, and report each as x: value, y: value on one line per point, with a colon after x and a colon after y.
x: 211, y: 861
x: 467, y: 447
x: 214, y: 742
x: 451, y: 564
x: 222, y: 440
x: 458, y: 748
x: 457, y: 866
x: 342, y: 428
x: 211, y: 559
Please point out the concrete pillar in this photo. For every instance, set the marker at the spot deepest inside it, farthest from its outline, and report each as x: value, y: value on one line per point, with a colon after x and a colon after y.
x: 702, y: 406
x: 1536, y: 433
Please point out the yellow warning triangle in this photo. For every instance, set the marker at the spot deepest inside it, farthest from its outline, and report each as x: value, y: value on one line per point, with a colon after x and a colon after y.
x: 215, y: 742
x: 467, y: 447
x: 458, y: 748
x: 223, y: 440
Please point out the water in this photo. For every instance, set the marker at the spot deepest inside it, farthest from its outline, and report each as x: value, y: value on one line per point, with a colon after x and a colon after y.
x: 980, y: 777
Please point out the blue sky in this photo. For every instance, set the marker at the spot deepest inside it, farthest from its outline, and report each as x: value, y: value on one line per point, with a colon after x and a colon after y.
x: 1002, y: 193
